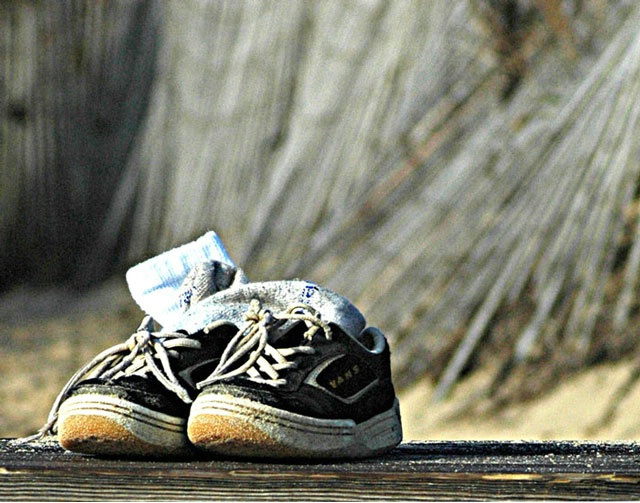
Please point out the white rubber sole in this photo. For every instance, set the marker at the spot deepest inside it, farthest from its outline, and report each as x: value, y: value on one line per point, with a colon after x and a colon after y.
x: 230, y: 426
x: 99, y: 424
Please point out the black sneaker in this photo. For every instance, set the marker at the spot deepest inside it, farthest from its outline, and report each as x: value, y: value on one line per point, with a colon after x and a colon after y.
x: 138, y: 402
x: 295, y: 383
x: 134, y: 398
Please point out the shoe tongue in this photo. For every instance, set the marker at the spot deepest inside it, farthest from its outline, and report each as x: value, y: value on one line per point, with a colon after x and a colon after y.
x: 289, y: 334
x: 231, y: 305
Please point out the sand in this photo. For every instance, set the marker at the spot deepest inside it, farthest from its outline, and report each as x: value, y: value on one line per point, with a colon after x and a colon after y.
x: 580, y: 407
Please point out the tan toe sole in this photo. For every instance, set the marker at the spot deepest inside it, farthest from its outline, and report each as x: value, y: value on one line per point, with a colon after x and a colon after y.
x: 94, y: 424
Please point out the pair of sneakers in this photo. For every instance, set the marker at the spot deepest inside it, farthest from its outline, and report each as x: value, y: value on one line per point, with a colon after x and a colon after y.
x: 265, y: 369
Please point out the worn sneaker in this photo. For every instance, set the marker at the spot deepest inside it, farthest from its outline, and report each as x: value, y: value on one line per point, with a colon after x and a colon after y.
x: 134, y: 398
x: 301, y: 378
x: 137, y: 400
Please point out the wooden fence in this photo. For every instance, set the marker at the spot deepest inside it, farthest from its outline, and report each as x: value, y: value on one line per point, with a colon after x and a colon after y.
x: 372, y: 147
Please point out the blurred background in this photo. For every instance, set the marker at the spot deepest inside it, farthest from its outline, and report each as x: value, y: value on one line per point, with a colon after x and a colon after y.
x: 467, y: 172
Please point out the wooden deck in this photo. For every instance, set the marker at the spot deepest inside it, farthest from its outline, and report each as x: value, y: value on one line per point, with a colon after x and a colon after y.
x: 414, y: 471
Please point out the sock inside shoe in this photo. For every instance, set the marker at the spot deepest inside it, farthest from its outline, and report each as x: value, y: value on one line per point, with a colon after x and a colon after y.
x: 155, y: 283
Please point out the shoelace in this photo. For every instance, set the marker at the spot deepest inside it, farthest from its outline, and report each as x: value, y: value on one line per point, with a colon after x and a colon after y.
x: 136, y: 355
x: 253, y: 340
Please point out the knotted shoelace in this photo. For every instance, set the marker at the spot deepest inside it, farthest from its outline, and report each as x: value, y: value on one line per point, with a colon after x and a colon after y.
x: 252, y: 342
x: 139, y: 354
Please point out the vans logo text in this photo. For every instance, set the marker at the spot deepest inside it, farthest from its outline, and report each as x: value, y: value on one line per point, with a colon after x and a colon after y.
x: 344, y: 377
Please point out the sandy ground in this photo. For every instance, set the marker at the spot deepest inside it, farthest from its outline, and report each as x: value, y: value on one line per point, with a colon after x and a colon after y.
x: 47, y: 336
x: 582, y: 407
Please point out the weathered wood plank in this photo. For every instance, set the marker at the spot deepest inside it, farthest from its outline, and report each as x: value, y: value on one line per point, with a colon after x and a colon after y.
x: 416, y: 471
